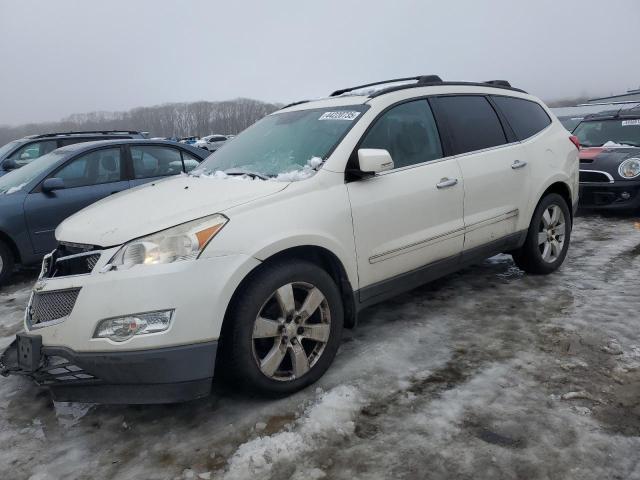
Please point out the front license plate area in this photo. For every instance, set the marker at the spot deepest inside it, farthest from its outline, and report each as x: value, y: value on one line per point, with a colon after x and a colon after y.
x: 29, y: 347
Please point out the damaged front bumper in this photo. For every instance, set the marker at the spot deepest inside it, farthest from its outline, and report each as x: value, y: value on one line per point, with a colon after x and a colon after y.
x: 161, y: 375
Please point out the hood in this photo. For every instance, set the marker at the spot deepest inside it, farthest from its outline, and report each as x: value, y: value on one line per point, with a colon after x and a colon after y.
x: 608, y: 154
x: 155, y: 206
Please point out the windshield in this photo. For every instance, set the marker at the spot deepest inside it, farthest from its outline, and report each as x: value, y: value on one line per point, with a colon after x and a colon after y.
x: 9, y: 147
x: 596, y: 133
x: 16, y: 179
x: 283, y: 143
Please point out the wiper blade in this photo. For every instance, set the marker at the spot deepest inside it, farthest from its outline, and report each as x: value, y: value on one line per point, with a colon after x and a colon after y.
x: 237, y: 171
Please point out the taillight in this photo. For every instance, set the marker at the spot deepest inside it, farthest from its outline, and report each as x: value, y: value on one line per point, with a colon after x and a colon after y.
x: 575, y: 141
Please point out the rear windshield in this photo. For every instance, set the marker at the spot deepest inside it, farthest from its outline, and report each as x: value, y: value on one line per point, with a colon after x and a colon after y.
x: 284, y: 142
x: 596, y: 133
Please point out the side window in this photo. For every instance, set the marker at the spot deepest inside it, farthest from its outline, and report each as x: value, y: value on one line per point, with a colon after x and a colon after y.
x: 525, y: 117
x: 408, y: 132
x: 31, y: 151
x: 149, y: 161
x: 190, y: 162
x: 100, y: 166
x: 471, y: 121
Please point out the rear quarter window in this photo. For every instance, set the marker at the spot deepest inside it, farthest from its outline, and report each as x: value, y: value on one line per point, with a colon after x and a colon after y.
x: 471, y: 122
x: 525, y: 117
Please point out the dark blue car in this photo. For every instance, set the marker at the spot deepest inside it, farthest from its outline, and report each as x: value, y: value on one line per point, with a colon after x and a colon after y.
x: 37, y: 197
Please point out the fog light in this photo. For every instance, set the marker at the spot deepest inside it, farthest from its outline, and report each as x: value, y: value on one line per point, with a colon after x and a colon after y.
x: 625, y: 195
x: 120, y: 329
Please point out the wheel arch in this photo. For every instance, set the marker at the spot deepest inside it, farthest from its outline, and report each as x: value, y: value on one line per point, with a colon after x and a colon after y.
x: 562, y: 189
x: 4, y: 237
x: 320, y: 256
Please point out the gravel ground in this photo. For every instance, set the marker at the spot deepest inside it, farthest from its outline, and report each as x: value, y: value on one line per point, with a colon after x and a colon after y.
x: 488, y: 373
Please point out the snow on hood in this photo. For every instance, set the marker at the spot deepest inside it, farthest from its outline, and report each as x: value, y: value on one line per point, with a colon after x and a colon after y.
x: 15, y: 189
x: 612, y: 144
x: 159, y: 205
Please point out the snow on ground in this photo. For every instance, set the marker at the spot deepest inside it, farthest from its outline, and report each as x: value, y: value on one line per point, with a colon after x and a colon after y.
x: 487, y: 373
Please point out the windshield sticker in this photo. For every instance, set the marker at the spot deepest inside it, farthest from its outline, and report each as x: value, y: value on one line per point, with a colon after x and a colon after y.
x: 340, y: 115
x: 626, y: 123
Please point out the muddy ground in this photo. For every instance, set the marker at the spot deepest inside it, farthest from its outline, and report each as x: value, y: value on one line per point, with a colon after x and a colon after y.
x: 488, y: 373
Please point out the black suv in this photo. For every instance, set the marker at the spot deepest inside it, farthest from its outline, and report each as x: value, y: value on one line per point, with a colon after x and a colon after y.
x: 20, y: 152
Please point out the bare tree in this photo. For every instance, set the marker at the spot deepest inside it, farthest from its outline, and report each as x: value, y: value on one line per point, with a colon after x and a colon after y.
x: 168, y: 120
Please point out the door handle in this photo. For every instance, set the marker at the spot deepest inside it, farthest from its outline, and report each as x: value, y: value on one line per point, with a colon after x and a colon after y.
x: 518, y: 164
x: 446, y: 183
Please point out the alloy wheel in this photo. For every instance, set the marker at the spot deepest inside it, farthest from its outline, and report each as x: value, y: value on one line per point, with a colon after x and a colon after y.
x: 551, y: 234
x: 291, y: 331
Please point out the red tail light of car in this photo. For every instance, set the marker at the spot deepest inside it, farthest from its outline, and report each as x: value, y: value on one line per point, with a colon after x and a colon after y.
x: 575, y: 141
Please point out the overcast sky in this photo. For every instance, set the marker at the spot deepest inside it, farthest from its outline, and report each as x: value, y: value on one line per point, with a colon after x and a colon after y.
x: 71, y: 56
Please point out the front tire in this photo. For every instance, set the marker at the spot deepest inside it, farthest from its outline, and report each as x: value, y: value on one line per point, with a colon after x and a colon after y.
x: 547, y: 238
x: 6, y: 263
x: 284, y: 329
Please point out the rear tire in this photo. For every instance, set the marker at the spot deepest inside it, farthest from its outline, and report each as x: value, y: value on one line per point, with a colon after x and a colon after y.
x: 547, y: 238
x: 283, y: 330
x: 6, y: 263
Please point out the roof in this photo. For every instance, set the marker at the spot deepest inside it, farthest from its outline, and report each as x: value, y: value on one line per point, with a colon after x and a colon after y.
x: 633, y: 112
x: 631, y: 94
x: 372, y: 90
x: 85, y: 132
x: 85, y: 146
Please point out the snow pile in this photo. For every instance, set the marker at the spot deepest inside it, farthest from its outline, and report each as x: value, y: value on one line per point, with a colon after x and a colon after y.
x: 330, y: 417
x: 305, y: 172
x: 220, y: 175
x: 612, y: 144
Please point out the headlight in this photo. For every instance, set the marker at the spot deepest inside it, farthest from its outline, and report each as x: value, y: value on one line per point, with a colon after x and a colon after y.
x: 182, y: 242
x: 120, y: 329
x: 630, y: 168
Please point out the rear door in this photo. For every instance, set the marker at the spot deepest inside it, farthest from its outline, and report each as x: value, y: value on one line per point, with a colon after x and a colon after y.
x: 87, y: 178
x: 493, y: 165
x: 153, y: 162
x: 409, y: 217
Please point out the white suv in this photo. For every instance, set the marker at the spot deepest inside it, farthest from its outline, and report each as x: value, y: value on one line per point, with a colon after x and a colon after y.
x: 253, y: 264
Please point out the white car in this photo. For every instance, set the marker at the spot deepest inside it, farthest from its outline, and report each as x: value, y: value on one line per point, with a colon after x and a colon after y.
x: 252, y: 265
x: 212, y: 142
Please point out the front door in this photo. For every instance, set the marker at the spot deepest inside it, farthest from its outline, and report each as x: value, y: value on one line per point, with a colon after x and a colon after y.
x: 409, y: 217
x: 87, y: 178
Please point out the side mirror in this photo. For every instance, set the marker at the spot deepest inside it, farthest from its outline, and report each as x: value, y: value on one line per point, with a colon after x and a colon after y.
x: 374, y: 160
x: 51, y: 184
x: 9, y: 164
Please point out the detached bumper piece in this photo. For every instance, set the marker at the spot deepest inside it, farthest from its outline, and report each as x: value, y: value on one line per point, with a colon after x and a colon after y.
x: 163, y: 375
x: 616, y: 196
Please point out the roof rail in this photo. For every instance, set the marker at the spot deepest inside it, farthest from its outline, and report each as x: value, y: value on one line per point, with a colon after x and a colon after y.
x: 84, y: 132
x: 299, y: 102
x: 421, y: 79
x: 452, y: 84
x: 498, y: 83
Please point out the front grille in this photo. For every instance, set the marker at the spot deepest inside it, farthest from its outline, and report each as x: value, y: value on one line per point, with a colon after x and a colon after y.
x: 52, y: 305
x: 76, y: 265
x: 70, y: 259
x: 594, y: 177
